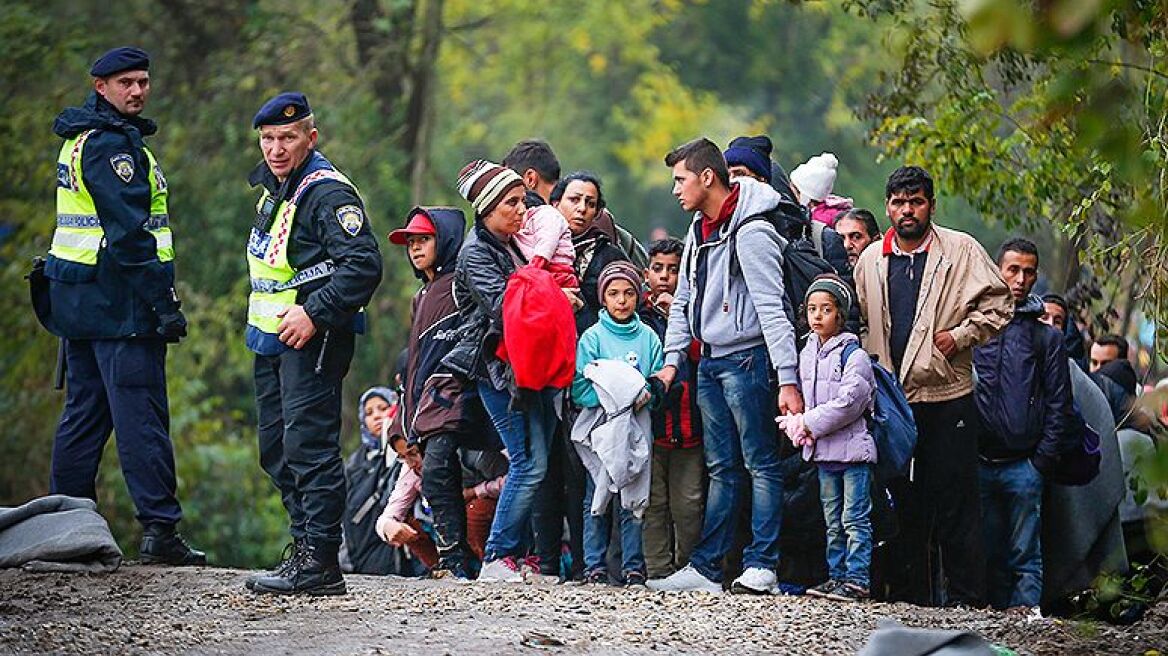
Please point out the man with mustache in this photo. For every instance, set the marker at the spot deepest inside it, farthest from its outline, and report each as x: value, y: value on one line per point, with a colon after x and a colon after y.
x: 314, y: 264
x: 929, y: 295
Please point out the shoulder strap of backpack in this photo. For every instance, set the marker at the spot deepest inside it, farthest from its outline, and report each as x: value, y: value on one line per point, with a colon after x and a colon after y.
x: 735, y: 266
x: 817, y: 236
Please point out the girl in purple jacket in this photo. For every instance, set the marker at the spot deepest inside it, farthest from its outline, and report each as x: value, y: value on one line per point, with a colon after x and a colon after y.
x: 833, y: 432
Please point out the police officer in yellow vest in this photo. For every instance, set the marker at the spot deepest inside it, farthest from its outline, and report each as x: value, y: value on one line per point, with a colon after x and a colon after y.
x: 314, y: 263
x: 111, y: 285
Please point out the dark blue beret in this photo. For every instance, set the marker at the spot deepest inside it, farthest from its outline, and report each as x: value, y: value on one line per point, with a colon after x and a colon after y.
x: 285, y: 108
x: 120, y: 59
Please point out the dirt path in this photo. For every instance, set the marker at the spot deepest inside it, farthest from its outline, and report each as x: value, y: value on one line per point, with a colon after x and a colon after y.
x: 148, y: 610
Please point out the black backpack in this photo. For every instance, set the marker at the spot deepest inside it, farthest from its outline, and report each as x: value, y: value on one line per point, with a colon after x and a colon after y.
x: 801, y: 262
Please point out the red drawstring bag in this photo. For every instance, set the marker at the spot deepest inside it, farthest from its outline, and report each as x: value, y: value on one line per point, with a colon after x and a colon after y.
x: 539, y: 331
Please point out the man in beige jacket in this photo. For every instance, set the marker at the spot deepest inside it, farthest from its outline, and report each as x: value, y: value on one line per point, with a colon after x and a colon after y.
x: 929, y: 295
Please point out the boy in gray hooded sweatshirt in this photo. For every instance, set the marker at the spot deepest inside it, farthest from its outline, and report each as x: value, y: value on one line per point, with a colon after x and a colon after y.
x: 747, y: 341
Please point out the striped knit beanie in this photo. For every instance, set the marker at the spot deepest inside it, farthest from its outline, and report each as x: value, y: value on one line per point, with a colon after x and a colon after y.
x: 483, y: 184
x: 834, y: 285
x: 618, y: 270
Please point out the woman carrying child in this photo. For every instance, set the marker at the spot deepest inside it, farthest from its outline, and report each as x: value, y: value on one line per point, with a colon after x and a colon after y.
x: 833, y: 431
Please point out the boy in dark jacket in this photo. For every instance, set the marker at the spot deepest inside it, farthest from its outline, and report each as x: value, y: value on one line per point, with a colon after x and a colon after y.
x: 1023, y: 396
x: 436, y: 411
x: 673, y: 521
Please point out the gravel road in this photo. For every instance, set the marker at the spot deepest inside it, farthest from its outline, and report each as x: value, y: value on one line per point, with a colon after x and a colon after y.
x: 153, y: 610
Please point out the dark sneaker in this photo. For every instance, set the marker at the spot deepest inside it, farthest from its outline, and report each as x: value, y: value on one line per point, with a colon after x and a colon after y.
x: 292, y: 551
x: 635, y: 578
x: 823, y: 589
x: 316, y: 572
x: 162, y: 545
x: 848, y: 592
x: 598, y: 576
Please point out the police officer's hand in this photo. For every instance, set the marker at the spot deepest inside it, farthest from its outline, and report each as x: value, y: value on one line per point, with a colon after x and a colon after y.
x: 296, y: 327
x: 172, y: 326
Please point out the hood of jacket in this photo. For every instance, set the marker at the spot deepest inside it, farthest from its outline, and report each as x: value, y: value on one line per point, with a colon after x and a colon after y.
x: 98, y: 114
x: 367, y: 438
x: 754, y: 198
x: 450, y: 224
x: 1122, y: 373
x: 1030, y: 307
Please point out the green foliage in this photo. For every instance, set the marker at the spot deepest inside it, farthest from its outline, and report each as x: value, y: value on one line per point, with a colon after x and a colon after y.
x: 612, y: 85
x: 1047, y: 116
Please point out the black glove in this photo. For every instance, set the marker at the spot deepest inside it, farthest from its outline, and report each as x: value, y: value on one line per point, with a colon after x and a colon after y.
x: 172, y: 326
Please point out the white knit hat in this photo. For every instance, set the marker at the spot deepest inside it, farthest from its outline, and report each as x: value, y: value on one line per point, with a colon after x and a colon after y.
x: 816, y: 177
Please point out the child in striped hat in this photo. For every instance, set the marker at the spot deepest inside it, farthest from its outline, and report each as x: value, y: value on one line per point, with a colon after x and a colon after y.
x: 544, y: 239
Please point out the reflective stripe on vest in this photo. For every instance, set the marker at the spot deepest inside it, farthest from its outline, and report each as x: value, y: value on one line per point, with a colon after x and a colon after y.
x: 79, y: 235
x: 273, y: 280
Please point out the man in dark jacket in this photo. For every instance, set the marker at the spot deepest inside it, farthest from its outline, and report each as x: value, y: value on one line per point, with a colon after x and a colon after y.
x: 1024, y: 403
x: 314, y: 264
x: 111, y: 273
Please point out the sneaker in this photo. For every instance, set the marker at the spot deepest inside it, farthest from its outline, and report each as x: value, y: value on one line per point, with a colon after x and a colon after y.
x: 848, y: 592
x: 598, y: 576
x: 162, y: 545
x: 823, y: 589
x: 755, y: 580
x: 292, y: 551
x: 502, y: 570
x: 685, y: 579
x: 316, y: 572
x: 634, y: 578
x: 533, y: 574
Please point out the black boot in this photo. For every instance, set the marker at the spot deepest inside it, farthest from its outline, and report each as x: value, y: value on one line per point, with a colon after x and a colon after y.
x: 292, y: 551
x: 315, y: 572
x: 162, y: 545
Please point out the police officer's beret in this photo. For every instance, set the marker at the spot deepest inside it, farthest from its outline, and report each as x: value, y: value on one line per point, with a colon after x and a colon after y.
x: 117, y: 60
x: 285, y: 108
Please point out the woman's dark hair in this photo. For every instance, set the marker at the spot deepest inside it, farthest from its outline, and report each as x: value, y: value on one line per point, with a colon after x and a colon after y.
x: 1057, y: 300
x: 583, y: 176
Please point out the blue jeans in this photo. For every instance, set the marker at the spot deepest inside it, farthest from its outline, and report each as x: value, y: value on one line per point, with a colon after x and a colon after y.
x: 742, y: 456
x: 847, y: 505
x: 1011, y: 506
x: 527, y: 436
x: 597, y: 528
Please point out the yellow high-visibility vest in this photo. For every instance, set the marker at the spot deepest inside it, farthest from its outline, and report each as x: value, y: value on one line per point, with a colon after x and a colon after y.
x: 273, y: 279
x: 79, y: 236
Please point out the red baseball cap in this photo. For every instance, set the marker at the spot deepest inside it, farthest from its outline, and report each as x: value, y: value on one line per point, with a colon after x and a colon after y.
x: 419, y: 224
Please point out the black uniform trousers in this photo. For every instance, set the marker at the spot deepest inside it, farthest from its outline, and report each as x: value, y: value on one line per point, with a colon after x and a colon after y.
x: 299, y: 410
x: 938, y: 557
x: 118, y: 385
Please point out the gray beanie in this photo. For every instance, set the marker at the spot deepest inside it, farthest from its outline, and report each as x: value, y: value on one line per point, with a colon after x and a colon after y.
x: 834, y: 285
